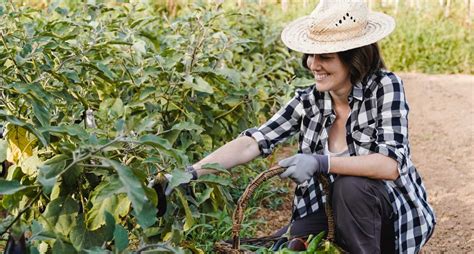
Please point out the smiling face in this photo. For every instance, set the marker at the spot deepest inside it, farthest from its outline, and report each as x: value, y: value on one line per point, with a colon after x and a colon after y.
x: 330, y: 73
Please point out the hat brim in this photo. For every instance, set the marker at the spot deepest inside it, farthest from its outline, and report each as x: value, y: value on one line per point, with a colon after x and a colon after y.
x: 295, y: 35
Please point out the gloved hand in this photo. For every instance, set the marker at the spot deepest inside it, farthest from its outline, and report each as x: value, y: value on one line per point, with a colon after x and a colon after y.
x: 301, y: 167
x: 192, y: 175
x: 163, y: 188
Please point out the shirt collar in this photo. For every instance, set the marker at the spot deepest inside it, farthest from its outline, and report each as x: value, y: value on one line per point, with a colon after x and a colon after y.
x: 327, y: 104
x: 324, y: 99
x: 357, y: 91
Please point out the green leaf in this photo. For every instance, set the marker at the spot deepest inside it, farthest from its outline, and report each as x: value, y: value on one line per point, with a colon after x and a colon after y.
x: 225, y: 181
x: 108, y: 230
x: 51, y: 170
x: 71, y: 130
x: 230, y: 74
x: 115, y: 205
x: 15, y: 121
x: 11, y: 187
x: 41, y: 112
x: 120, y: 237
x: 81, y: 238
x: 139, y: 46
x: 96, y: 250
x: 6, y: 222
x: 30, y: 165
x: 204, y: 196
x: 117, y: 109
x: 155, y: 141
x: 107, y: 188
x: 61, y: 213
x: 201, y: 85
x: 187, y: 126
x: 216, y: 166
x: 63, y: 247
x: 105, y: 70
x: 39, y: 233
x: 189, y: 222
x: 179, y: 177
x: 3, y: 150
x: 143, y: 209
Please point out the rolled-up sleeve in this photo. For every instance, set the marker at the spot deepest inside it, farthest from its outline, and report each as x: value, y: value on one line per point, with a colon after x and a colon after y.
x: 392, y: 121
x: 284, y: 124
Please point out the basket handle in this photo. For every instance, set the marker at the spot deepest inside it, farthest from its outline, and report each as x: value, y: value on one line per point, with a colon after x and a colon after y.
x: 238, y: 215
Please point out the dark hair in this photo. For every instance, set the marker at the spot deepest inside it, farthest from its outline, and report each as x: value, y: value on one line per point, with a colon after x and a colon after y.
x: 360, y: 61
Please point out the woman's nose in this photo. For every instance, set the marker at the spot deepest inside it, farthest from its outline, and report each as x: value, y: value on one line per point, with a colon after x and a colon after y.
x: 314, y: 63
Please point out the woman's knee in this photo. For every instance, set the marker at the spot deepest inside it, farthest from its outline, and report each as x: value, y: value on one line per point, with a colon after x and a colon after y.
x: 349, y: 187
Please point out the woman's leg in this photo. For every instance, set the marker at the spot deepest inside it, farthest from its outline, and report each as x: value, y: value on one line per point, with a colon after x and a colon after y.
x: 303, y: 227
x: 363, y: 215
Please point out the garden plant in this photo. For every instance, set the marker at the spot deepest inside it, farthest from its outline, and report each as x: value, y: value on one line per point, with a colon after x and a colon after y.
x: 98, y: 99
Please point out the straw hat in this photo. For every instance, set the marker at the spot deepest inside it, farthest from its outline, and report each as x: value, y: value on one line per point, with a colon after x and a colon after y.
x: 337, y: 25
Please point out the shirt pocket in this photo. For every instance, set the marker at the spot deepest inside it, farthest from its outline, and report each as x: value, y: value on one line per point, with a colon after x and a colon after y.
x: 365, y: 134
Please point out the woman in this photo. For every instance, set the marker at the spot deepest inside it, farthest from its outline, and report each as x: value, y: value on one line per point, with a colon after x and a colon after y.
x: 352, y: 125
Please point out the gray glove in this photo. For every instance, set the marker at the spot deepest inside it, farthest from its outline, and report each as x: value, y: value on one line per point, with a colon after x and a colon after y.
x: 192, y: 175
x: 301, y: 167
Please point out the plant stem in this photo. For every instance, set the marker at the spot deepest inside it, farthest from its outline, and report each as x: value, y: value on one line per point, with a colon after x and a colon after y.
x: 230, y: 111
x: 21, y: 212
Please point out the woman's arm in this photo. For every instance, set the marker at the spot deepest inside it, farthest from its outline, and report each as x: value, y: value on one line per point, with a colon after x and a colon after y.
x: 376, y: 166
x: 239, y: 151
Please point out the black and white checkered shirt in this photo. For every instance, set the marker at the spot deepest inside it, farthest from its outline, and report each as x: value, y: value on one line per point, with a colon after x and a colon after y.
x: 378, y: 123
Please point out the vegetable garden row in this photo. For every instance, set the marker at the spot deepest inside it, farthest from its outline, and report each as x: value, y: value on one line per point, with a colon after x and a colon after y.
x: 96, y: 100
x: 161, y: 93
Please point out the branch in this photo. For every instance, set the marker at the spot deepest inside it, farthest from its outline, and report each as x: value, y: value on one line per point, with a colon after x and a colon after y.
x: 156, y: 245
x: 21, y: 212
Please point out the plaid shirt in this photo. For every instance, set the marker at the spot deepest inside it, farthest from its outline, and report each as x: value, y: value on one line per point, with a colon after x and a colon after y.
x: 378, y: 123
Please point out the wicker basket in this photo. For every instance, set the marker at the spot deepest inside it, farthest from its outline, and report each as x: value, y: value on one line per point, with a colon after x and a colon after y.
x: 237, y: 218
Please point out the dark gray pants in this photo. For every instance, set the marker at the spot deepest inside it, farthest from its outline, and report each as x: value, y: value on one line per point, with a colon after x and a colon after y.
x: 363, y: 216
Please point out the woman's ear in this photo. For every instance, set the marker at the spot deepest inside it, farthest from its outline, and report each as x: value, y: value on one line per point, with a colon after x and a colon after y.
x: 304, y: 61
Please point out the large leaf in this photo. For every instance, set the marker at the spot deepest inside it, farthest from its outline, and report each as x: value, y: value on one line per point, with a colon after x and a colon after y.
x: 179, y: 177
x: 117, y: 205
x: 143, y: 209
x: 155, y: 141
x: 82, y: 238
x: 107, y: 188
x: 11, y: 187
x: 201, y: 85
x: 21, y: 143
x: 3, y: 150
x: 117, y: 108
x: 20, y: 123
x: 38, y: 233
x: 41, y: 112
x: 216, y: 179
x: 30, y: 165
x: 189, y: 221
x: 216, y: 166
x: 51, y: 170
x: 187, y: 126
x: 63, y: 247
x: 120, y: 237
x: 6, y: 222
x: 61, y: 214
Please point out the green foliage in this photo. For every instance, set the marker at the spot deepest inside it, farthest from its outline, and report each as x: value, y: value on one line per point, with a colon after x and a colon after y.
x: 98, y: 99
x: 427, y: 41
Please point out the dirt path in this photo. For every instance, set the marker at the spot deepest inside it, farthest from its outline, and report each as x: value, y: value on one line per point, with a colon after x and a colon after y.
x: 441, y: 129
x: 441, y: 135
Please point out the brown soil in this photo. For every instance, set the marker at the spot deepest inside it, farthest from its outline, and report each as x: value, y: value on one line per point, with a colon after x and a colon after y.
x: 441, y: 135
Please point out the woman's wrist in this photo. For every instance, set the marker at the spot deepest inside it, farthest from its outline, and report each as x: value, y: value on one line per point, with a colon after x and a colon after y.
x: 190, y: 169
